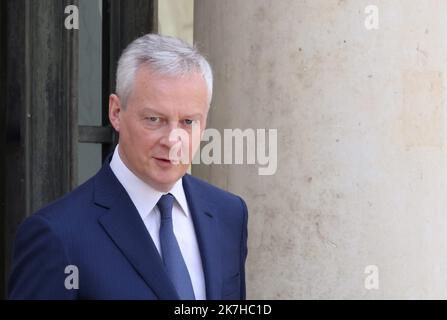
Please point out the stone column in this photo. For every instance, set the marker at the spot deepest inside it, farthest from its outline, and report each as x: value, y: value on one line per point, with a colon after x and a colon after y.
x: 358, y: 205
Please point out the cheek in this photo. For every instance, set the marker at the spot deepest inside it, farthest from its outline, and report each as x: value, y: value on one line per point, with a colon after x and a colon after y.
x: 193, y: 144
x: 193, y: 136
x: 130, y: 132
x: 149, y: 144
x: 145, y: 137
x: 197, y: 136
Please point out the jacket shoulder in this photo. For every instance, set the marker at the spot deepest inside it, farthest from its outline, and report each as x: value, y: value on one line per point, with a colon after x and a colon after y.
x: 205, y: 188
x: 71, y: 206
x: 229, y: 203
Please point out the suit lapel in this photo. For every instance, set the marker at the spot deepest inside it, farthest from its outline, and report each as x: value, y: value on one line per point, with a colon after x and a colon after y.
x: 124, y: 226
x: 205, y: 224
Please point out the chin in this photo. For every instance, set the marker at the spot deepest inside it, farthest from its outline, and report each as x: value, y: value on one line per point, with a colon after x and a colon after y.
x: 166, y: 179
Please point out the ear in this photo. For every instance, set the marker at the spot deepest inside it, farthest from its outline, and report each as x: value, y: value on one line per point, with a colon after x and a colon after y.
x: 115, y: 111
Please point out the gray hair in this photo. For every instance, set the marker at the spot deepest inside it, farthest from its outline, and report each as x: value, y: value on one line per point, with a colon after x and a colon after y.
x: 165, y: 55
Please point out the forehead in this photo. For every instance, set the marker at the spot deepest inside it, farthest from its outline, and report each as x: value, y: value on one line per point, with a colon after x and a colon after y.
x: 184, y: 93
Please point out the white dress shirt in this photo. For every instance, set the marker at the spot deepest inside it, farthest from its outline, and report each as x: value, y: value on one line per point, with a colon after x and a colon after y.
x: 145, y: 199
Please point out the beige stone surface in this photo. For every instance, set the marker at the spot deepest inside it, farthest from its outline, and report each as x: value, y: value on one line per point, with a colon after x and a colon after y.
x: 175, y: 18
x: 360, y: 115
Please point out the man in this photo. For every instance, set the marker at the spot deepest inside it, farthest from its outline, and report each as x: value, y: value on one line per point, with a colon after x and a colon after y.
x: 141, y: 228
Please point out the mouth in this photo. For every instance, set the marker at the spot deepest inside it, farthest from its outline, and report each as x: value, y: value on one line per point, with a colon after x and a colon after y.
x: 163, y: 160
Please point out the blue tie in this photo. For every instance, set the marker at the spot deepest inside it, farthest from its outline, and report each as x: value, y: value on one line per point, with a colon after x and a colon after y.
x: 172, y: 256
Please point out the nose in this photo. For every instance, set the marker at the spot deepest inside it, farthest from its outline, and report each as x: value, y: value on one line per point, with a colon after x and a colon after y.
x: 165, y: 141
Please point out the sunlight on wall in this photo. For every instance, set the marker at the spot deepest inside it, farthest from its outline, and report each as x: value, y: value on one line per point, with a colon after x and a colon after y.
x: 175, y: 18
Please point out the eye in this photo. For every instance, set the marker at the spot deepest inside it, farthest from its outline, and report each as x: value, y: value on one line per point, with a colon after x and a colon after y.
x: 153, y: 119
x: 191, y: 122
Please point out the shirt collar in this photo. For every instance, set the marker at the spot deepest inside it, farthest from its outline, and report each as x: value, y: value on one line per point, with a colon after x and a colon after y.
x: 144, y: 196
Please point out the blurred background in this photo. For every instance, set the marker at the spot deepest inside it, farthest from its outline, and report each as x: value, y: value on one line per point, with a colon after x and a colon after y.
x: 354, y: 88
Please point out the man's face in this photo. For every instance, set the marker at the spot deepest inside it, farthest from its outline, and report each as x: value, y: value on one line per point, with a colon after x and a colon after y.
x: 157, y: 105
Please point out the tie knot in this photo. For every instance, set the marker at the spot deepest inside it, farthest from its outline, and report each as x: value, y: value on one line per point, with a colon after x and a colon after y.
x: 165, y: 205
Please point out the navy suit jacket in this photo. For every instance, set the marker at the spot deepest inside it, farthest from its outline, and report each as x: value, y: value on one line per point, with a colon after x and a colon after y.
x: 97, y: 228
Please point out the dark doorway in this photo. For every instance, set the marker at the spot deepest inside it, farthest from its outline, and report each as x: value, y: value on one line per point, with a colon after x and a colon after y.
x: 39, y: 86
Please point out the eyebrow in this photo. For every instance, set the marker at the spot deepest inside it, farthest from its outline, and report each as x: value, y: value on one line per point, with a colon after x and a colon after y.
x: 195, y: 115
x: 147, y: 109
